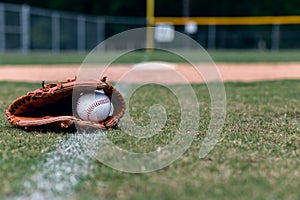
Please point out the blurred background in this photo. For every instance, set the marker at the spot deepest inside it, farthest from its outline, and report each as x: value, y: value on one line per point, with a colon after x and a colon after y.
x: 79, y: 25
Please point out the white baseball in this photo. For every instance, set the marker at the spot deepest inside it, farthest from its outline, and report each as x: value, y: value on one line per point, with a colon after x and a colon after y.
x: 93, y: 106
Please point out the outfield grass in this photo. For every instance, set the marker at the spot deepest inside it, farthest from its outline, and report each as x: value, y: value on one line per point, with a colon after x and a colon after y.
x: 139, y: 56
x: 257, y: 157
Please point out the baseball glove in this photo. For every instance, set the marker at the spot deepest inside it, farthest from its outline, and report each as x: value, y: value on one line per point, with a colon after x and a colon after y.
x: 51, y: 106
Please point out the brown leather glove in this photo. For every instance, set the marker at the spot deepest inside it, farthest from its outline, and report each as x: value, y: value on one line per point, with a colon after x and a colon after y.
x: 50, y: 107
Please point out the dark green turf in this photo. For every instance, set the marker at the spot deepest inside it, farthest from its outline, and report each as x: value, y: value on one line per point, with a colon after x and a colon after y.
x: 256, y: 158
x: 241, y: 56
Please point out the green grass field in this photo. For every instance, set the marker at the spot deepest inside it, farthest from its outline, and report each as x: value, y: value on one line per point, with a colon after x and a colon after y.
x: 217, y: 56
x: 257, y: 157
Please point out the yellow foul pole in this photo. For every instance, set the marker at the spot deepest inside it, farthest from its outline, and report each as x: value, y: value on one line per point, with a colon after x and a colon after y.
x: 150, y: 23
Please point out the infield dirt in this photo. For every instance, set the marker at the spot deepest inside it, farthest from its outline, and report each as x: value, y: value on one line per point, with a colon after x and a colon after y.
x: 229, y: 72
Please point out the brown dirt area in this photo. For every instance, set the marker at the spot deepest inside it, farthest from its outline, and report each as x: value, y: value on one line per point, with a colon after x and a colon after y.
x: 229, y: 72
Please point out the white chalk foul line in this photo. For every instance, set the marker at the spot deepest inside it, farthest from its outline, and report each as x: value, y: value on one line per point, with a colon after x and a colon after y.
x: 63, y: 168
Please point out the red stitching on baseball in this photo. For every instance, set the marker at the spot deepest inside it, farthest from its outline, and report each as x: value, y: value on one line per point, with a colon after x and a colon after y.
x: 94, y: 105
